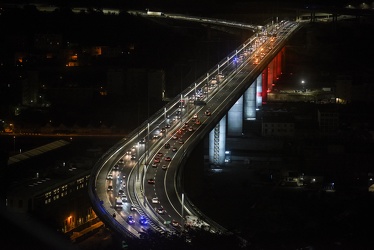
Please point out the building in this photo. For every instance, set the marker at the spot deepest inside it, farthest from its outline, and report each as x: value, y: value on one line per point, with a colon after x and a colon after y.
x: 278, y: 126
x: 59, y: 199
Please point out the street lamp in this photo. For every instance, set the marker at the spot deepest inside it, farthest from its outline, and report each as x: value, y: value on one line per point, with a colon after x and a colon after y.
x: 303, y: 85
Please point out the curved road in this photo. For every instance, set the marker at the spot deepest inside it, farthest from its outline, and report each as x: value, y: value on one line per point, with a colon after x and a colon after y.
x: 139, y: 165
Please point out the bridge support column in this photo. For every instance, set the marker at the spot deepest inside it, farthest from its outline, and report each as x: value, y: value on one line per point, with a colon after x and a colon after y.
x: 264, y: 85
x: 271, y: 74
x: 235, y: 119
x: 259, y: 91
x: 250, y: 102
x: 217, y: 143
x: 270, y: 71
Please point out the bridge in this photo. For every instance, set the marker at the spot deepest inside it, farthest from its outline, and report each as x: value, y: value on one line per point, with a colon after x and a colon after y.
x: 203, y: 20
x: 138, y: 183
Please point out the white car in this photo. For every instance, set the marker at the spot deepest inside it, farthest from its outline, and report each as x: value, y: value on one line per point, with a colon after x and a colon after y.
x: 161, y: 210
x: 124, y: 198
x: 155, y: 200
x: 175, y: 223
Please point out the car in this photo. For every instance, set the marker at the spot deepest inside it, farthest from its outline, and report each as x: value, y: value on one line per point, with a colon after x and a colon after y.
x: 132, y: 208
x: 118, y: 203
x: 167, y: 145
x: 167, y: 125
x: 175, y: 137
x: 156, y: 160
x: 164, y: 167
x: 156, y: 136
x: 175, y: 223
x: 142, y: 141
x: 116, y: 167
x: 110, y: 188
x: 197, y: 122
x: 163, y: 130
x: 207, y: 113
x: 109, y: 177
x: 151, y: 181
x: 195, y: 116
x: 180, y: 141
x: 130, y: 219
x: 155, y: 200
x: 133, y: 157
x: 154, y: 165
x: 128, y: 152
x: 221, y: 76
x: 213, y: 80
x: 143, y: 221
x: 124, y: 198
x: 167, y: 158
x: 121, y: 192
x: 161, y: 210
x: 174, y: 149
x: 160, y: 154
x: 121, y: 161
x: 190, y: 129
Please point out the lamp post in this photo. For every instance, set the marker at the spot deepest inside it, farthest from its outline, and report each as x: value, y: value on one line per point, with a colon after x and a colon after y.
x: 14, y: 144
x: 303, y: 85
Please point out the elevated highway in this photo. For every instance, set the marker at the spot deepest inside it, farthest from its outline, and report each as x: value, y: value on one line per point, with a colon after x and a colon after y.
x: 203, y: 20
x: 145, y: 169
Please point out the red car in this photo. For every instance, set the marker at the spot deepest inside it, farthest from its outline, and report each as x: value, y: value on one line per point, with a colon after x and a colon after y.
x: 168, y: 158
x: 151, y: 181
